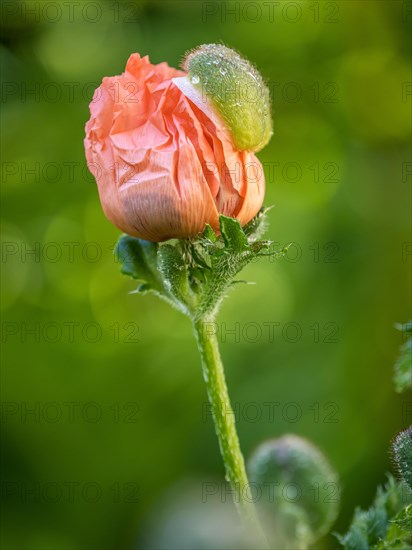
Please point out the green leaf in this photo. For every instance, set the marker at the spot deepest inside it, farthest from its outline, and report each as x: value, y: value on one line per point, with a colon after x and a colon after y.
x: 403, y: 367
x: 356, y: 538
x: 372, y: 529
x: 233, y: 235
x: 399, y: 533
x: 138, y: 260
x: 404, y: 519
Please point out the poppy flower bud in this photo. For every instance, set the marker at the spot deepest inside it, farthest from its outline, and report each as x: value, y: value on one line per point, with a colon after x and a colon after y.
x: 300, y: 490
x: 166, y: 162
x: 402, y: 450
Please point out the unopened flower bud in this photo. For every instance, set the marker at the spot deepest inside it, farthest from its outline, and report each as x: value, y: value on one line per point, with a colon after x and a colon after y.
x: 166, y: 164
x: 300, y: 491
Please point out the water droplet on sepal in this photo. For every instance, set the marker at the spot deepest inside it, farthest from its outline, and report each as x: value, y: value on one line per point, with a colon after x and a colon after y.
x: 248, y: 117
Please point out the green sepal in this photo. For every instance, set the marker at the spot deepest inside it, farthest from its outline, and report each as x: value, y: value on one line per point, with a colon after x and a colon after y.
x: 233, y: 235
x: 236, y: 90
x: 209, y: 234
x: 138, y: 260
x: 195, y: 274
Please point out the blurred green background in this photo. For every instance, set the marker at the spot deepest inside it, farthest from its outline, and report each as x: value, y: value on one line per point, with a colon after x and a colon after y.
x: 113, y: 380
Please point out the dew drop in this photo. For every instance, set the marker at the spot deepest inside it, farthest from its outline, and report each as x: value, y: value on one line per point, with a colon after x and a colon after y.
x: 195, y: 79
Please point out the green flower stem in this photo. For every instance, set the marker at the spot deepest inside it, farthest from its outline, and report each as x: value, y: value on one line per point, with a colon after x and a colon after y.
x: 223, y: 415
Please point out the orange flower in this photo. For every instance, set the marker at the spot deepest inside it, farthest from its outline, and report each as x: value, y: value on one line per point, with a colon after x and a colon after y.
x: 164, y: 160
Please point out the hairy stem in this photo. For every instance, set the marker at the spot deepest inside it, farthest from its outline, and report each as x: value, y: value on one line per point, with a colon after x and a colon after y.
x: 224, y: 419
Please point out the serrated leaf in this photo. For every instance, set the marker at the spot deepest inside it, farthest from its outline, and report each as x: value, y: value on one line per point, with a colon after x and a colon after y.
x: 233, y: 235
x: 399, y: 533
x: 355, y: 539
x: 404, y: 519
x: 201, y: 257
x: 209, y: 234
x: 369, y: 529
x: 403, y: 368
x: 138, y: 260
x: 406, y: 327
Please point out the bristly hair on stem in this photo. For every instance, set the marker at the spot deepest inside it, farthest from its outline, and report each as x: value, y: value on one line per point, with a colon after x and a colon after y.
x: 195, y: 274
